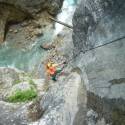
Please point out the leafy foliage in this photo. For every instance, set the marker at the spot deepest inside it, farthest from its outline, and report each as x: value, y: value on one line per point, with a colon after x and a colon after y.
x: 22, y: 96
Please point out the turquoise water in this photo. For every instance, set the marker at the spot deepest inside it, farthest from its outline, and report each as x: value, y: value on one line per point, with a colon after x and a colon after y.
x: 25, y: 60
x: 72, y: 2
x: 30, y: 58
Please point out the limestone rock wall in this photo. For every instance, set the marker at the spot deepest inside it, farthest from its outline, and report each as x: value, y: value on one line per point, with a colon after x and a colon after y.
x: 19, y: 10
x: 97, y: 22
x: 36, y: 5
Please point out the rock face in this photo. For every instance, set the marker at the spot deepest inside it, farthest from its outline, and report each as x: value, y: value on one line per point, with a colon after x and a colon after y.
x: 32, y: 6
x: 9, y: 14
x: 65, y: 102
x: 7, y: 77
x: 97, y: 22
x: 19, y: 10
x: 24, y: 112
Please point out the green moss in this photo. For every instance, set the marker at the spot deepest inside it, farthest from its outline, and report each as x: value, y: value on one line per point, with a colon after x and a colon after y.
x: 22, y: 96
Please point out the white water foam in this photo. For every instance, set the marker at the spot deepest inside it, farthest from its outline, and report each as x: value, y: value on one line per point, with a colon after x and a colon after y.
x: 65, y: 16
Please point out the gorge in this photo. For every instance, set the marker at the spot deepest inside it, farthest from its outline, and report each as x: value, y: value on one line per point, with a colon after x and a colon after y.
x: 91, y: 88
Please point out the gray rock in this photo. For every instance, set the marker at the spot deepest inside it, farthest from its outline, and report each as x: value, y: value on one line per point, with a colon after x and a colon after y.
x: 19, y: 10
x: 9, y: 14
x: 7, y: 77
x: 64, y: 103
x: 24, y: 86
x: 32, y: 6
x: 19, y: 114
x: 97, y: 22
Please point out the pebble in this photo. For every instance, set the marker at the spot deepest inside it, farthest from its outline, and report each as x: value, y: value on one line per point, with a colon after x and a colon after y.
x: 15, y: 31
x: 11, y: 30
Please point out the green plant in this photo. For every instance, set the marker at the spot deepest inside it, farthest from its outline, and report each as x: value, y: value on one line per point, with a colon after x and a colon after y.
x: 22, y: 96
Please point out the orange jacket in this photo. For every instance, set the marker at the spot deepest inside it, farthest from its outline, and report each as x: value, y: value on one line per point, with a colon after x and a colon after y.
x: 51, y: 70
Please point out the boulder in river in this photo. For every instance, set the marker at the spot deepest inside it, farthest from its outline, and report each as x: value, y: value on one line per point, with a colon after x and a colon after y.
x: 47, y: 46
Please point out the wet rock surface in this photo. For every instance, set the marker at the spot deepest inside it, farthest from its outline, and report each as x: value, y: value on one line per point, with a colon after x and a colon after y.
x: 96, y: 23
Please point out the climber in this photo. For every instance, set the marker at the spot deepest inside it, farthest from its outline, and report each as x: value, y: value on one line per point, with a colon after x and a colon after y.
x: 52, y: 69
